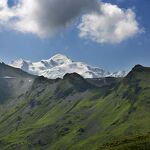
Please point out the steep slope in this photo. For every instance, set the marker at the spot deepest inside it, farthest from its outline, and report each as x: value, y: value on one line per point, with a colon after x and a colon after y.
x: 58, y: 65
x: 14, y: 83
x: 70, y: 113
x: 46, y: 98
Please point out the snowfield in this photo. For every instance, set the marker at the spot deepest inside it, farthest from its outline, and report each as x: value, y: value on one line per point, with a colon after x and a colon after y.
x: 58, y: 65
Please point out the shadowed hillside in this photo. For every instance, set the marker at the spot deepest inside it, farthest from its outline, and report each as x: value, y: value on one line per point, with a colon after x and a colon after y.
x: 75, y: 114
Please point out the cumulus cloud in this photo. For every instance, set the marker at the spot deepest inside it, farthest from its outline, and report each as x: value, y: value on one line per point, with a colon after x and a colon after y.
x: 110, y: 24
x: 42, y: 17
x: 101, y: 22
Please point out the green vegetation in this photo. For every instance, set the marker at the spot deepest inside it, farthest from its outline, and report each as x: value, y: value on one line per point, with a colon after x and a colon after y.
x: 73, y: 114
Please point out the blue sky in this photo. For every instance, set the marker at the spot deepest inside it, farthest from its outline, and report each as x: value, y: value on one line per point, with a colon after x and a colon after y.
x: 111, y: 56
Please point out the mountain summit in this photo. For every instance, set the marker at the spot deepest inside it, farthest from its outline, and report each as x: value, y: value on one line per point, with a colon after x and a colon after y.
x: 58, y: 65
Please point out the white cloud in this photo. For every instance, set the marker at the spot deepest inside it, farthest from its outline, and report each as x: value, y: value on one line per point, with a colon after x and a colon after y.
x: 110, y: 24
x: 42, y: 17
x: 101, y: 22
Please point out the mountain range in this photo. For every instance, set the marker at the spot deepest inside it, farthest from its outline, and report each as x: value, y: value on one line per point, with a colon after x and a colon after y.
x: 58, y: 65
x: 74, y: 113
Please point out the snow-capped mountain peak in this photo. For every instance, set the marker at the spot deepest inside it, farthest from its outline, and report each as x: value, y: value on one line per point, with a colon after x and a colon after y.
x: 119, y: 74
x: 22, y: 64
x: 58, y: 65
x: 60, y: 59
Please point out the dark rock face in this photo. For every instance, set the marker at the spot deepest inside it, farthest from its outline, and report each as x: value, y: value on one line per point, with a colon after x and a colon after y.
x: 73, y: 76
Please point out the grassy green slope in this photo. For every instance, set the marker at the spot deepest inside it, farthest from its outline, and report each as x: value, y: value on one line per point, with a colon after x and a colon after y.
x: 71, y: 114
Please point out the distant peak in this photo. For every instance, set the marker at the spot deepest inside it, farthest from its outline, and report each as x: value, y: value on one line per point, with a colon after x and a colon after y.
x: 21, y: 63
x: 60, y: 59
x: 20, y: 60
x: 59, y: 56
x: 58, y: 65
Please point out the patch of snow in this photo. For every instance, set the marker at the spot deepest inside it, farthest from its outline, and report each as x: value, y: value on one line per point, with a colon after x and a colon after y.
x: 58, y: 65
